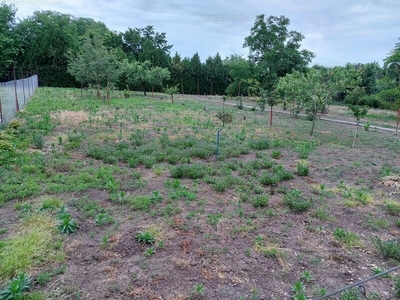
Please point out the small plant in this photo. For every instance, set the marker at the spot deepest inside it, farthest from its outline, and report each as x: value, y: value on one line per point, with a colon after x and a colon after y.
x: 149, y: 251
x: 303, y: 169
x: 156, y: 196
x: 260, y: 200
x: 213, y: 219
x: 43, y: 277
x: 298, y: 290
x: 103, y: 218
x: 307, y: 276
x: 350, y: 239
x: 198, y: 290
x: 225, y: 117
x: 367, y: 126
x: 38, y: 141
x: 16, y: 287
x: 388, y: 249
x: 350, y: 294
x: 296, y: 202
x: 146, y: 237
x: 191, y: 171
x: 66, y: 224
x: 276, y: 154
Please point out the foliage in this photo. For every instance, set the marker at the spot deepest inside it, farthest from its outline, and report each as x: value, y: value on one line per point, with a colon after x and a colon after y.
x: 171, y: 91
x: 66, y: 224
x: 225, y: 117
x: 389, y: 249
x: 274, y: 50
x: 193, y: 171
x: 302, y: 168
x: 146, y: 237
x: 295, y: 201
x: 16, y: 287
x: 348, y: 238
x: 260, y: 200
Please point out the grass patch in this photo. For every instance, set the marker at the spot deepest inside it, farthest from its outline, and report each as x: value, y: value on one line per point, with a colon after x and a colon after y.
x: 30, y: 246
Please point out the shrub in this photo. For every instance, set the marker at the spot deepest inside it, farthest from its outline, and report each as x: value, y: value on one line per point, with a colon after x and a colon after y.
x: 296, y: 202
x: 225, y: 117
x: 276, y: 154
x: 303, y: 169
x: 192, y: 171
x: 140, y: 202
x: 388, y: 249
x: 260, y: 200
x: 103, y: 218
x: 268, y: 178
x: 260, y: 144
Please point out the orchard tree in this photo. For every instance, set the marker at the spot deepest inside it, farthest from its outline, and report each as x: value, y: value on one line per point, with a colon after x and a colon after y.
x: 171, y: 91
x: 359, y: 111
x: 177, y: 69
x: 274, y: 50
x: 138, y: 73
x: 314, y: 89
x: 95, y: 64
x: 157, y: 76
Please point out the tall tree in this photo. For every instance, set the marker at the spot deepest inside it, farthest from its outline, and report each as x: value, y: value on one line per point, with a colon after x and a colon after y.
x: 142, y: 44
x: 177, y: 69
x: 47, y: 36
x: 274, y: 50
x: 196, y: 70
x: 8, y: 39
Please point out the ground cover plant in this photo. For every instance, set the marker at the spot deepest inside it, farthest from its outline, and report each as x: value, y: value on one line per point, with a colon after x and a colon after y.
x: 128, y: 200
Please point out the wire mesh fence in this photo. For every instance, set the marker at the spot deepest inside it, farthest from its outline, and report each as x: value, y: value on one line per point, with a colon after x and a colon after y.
x: 14, y: 95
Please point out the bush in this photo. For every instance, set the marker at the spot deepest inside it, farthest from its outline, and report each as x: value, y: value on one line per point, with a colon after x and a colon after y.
x: 296, y: 202
x: 388, y: 249
x: 66, y: 224
x: 37, y: 141
x: 303, y: 169
x: 192, y: 171
x: 268, y: 178
x: 261, y: 144
x: 146, y: 237
x: 260, y: 200
x: 225, y: 117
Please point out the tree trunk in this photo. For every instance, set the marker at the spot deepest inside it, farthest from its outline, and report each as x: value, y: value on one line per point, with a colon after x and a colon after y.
x: 240, y: 83
x: 152, y: 91
x: 355, y: 135
x: 198, y: 86
x: 172, y: 97
x: 81, y: 89
x: 211, y: 88
x: 98, y: 91
x: 314, y: 118
x: 144, y: 88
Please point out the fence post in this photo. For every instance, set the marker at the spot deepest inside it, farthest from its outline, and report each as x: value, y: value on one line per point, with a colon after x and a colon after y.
x: 23, y: 85
x: 16, y: 94
x: 29, y: 89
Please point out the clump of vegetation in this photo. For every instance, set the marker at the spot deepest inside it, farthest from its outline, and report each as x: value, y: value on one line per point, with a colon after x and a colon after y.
x: 16, y: 288
x: 192, y: 171
x: 348, y: 238
x: 388, y: 249
x: 296, y: 202
x: 225, y: 117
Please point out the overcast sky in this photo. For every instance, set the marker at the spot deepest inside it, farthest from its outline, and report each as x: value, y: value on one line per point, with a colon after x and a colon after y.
x: 337, y: 31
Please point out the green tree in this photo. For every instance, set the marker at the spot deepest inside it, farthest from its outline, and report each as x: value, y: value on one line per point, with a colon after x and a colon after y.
x: 274, y: 50
x: 240, y: 74
x: 95, y: 64
x: 177, y: 69
x: 196, y: 70
x: 138, y: 74
x: 157, y: 76
x: 359, y: 111
x: 8, y: 39
x: 46, y: 38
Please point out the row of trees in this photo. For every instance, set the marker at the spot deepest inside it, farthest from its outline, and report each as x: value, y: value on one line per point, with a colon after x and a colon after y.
x: 70, y: 51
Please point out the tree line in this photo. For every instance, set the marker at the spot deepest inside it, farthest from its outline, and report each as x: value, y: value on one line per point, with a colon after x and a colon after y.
x: 70, y: 51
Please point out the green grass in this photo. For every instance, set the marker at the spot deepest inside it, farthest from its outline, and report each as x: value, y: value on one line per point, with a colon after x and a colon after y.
x: 32, y: 244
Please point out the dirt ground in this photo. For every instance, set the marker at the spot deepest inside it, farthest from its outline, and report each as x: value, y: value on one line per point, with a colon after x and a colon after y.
x: 200, y: 260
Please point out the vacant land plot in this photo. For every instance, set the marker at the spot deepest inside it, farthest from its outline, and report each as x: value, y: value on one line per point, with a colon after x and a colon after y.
x: 129, y: 201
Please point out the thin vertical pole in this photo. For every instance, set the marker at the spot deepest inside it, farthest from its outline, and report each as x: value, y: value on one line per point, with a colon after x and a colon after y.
x: 217, y: 150
x: 15, y: 89
x: 23, y: 86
